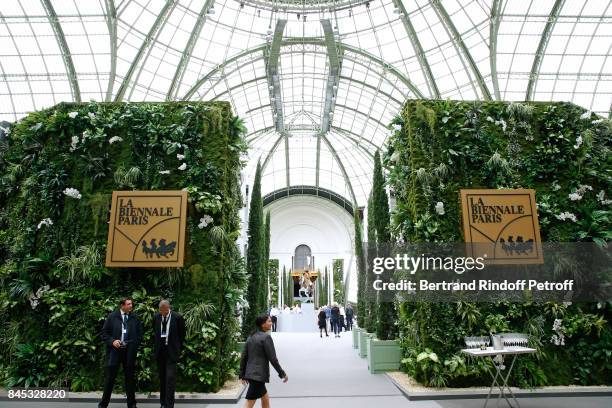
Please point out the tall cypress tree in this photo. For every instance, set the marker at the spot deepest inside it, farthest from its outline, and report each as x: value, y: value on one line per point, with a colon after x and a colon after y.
x: 370, y: 295
x: 386, y: 314
x: 360, y: 269
x: 255, y: 256
x: 263, y: 300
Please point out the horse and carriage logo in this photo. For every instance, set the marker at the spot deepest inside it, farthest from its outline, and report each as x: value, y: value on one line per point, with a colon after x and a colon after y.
x: 161, y: 249
x: 518, y: 247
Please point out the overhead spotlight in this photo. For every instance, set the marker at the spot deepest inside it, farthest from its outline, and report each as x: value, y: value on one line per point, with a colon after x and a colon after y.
x: 367, y: 4
x: 269, y: 32
x: 304, y: 17
x: 350, y: 12
x: 211, y: 10
x: 396, y: 10
x: 258, y: 13
x: 241, y: 5
x: 271, y: 87
x: 299, y: 16
x: 335, y: 87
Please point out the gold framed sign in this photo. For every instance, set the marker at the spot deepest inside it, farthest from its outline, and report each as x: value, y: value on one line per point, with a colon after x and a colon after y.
x: 503, y: 224
x: 147, y: 229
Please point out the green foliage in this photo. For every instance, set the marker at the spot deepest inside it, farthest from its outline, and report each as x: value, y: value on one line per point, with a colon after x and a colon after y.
x: 338, y: 274
x: 256, y: 259
x: 386, y: 315
x: 369, y: 320
x: 554, y: 148
x: 53, y: 284
x: 273, y: 278
x: 361, y: 268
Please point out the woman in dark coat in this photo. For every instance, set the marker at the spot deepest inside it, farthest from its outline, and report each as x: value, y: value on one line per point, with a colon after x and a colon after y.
x: 257, y: 356
x: 322, y: 318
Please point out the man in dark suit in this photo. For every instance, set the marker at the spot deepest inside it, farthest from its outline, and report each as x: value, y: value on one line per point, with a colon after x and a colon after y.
x: 169, y: 328
x: 122, y: 333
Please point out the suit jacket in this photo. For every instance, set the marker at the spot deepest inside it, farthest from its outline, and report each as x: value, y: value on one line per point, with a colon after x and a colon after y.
x: 176, y: 339
x: 111, y: 331
x: 257, y: 356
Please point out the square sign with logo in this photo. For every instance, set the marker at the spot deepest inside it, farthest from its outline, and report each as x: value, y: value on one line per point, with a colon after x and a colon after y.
x: 503, y: 224
x: 147, y: 229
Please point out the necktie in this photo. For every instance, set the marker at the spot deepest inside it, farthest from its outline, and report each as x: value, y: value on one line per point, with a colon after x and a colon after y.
x: 165, y: 322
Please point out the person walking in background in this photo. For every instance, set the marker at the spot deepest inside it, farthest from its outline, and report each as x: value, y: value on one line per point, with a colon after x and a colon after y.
x: 335, y: 320
x: 122, y: 333
x: 328, y: 316
x: 349, y: 317
x: 169, y: 331
x: 322, y: 322
x: 255, y: 362
x: 274, y: 312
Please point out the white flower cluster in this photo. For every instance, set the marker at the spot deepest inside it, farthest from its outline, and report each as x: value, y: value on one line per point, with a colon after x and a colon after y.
x: 577, y: 195
x: 164, y: 172
x: 72, y: 192
x: 558, y: 338
x: 183, y: 166
x: 73, y: 143
x: 555, y: 186
x: 115, y: 139
x: 397, y: 127
x: 204, y: 221
x: 91, y: 115
x: 597, y: 121
x: 35, y: 297
x: 585, y: 115
x: 500, y: 122
x: 73, y: 115
x: 578, y: 142
x: 45, y: 222
x: 440, y: 208
x: 601, y: 198
x: 566, y: 216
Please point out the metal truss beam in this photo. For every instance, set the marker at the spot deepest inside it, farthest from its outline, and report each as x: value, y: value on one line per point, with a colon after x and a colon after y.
x: 331, y: 86
x: 418, y: 48
x: 347, y: 180
x: 344, y: 133
x: 307, y: 41
x: 63, y: 45
x: 493, y: 30
x: 193, y: 38
x: 273, y: 75
x: 537, y: 59
x: 161, y: 18
x: 458, y: 42
x: 111, y: 22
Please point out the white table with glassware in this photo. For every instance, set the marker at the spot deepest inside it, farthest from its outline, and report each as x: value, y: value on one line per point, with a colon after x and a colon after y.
x: 510, y: 348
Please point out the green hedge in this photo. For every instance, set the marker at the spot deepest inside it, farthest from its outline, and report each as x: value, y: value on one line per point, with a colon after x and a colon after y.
x: 54, y: 289
x: 563, y: 152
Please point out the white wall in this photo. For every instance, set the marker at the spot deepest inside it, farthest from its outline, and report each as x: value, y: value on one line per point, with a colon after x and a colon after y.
x: 322, y: 225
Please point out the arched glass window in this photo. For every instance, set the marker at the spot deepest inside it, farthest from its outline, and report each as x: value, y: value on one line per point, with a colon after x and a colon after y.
x: 303, y: 255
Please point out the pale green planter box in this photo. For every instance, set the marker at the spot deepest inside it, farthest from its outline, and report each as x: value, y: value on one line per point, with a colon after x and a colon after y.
x: 363, y: 347
x: 383, y: 355
x: 356, y: 337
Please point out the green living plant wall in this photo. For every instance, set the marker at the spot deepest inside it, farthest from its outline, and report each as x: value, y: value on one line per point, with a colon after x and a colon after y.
x: 58, y: 169
x: 558, y: 149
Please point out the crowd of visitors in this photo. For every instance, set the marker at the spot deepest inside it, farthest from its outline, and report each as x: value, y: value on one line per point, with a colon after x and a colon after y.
x: 336, y: 318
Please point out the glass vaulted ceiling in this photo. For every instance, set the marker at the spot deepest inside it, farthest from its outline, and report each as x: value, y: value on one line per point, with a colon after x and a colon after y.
x: 317, y: 81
